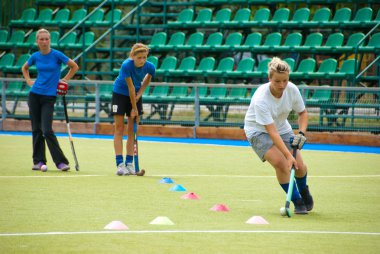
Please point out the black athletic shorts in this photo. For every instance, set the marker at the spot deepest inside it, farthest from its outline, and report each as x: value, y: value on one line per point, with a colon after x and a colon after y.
x: 121, y: 104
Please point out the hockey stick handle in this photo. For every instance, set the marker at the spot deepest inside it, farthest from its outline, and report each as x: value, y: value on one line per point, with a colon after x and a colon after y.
x: 69, y: 133
x: 291, y: 182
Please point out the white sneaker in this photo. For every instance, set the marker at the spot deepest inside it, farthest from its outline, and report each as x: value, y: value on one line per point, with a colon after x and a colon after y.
x: 131, y: 169
x: 122, y: 170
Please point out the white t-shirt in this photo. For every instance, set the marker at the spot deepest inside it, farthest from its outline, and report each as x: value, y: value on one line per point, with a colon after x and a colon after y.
x: 266, y: 109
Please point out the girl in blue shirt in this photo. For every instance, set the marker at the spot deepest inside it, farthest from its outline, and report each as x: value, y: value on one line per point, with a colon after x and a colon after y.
x: 134, y: 77
x: 42, y: 98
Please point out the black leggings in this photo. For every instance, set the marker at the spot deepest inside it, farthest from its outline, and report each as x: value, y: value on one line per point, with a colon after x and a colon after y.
x: 41, y: 109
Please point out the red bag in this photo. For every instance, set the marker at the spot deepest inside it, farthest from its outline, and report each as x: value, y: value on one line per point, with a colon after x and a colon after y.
x: 62, y: 88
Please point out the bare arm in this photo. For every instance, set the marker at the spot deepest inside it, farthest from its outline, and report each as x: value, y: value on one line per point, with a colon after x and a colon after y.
x: 25, y: 73
x: 144, y: 85
x: 73, y: 69
x: 279, y: 143
x: 303, y: 121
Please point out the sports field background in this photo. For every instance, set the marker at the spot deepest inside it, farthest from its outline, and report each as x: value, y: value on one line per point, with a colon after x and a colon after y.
x: 57, y: 212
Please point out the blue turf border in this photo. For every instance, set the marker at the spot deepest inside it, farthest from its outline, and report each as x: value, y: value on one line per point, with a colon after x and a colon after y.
x: 219, y: 142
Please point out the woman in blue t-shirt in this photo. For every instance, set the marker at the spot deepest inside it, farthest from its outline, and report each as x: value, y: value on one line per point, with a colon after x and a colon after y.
x: 134, y: 77
x: 42, y: 98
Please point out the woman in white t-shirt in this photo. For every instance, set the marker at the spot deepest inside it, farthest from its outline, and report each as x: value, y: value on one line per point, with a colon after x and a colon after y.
x: 270, y: 134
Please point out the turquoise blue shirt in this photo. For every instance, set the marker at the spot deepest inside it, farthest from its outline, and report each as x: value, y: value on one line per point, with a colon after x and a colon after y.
x: 48, y: 71
x: 137, y: 75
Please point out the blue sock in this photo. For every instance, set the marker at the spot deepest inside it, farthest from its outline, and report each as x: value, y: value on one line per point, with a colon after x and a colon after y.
x: 301, y: 182
x: 119, y: 159
x: 128, y: 159
x: 295, y: 194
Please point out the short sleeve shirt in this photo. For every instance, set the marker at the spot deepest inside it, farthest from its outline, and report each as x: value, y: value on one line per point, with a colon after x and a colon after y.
x: 266, y: 109
x: 128, y: 70
x: 48, y: 71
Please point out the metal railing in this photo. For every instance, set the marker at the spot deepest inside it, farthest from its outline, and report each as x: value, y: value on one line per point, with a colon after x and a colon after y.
x: 330, y: 108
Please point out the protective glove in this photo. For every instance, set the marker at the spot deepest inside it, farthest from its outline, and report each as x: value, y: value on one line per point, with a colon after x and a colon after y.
x: 62, y: 87
x: 298, y: 140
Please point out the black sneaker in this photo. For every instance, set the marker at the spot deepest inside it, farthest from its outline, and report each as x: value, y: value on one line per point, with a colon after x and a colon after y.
x: 307, y: 198
x: 299, y: 206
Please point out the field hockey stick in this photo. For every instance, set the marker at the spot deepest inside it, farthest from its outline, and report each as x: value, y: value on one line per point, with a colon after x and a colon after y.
x: 69, y: 132
x: 286, y: 210
x: 136, y: 152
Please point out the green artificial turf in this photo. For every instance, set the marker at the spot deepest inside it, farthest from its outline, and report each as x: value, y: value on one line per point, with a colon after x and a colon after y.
x: 66, y: 212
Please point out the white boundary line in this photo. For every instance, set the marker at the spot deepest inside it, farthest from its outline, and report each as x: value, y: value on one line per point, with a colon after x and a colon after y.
x: 194, y: 232
x: 51, y: 176
x: 168, y: 175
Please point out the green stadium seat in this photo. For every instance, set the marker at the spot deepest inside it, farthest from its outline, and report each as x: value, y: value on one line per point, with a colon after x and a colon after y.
x: 54, y: 38
x: 305, y: 67
x: 326, y: 68
x: 321, y: 17
x: 376, y: 20
x: 373, y: 45
x: 177, y: 93
x: 187, y: 64
x: 195, y: 40
x: 260, y: 17
x: 7, y: 60
x: 304, y: 90
x: 262, y: 69
x: 225, y: 64
x: 206, y: 64
x: 111, y: 18
x: 362, y: 18
x: 300, y: 18
x: 153, y: 60
x: 204, y: 16
x: 97, y: 16
x: 244, y: 67
x: 202, y: 93
x: 158, y: 40
x: 213, y: 40
x: 30, y: 41
x: 85, y: 40
x: 17, y: 89
x: 280, y: 15
x: 237, y: 95
x: 44, y: 17
x: 60, y: 17
x: 240, y: 19
x: 312, y: 41
x: 290, y: 62
x: 177, y: 39
x: 341, y: 16
x: 292, y: 40
x: 346, y: 71
x: 184, y: 18
x: 158, y: 92
x: 78, y: 15
x: 168, y: 64
x: 19, y: 63
x: 26, y: 16
x: 333, y: 42
x: 351, y: 43
x: 216, y: 94
x: 320, y: 97
x: 68, y: 41
x: 16, y: 37
x: 232, y: 42
x: 3, y: 37
x: 221, y: 17
x: 271, y: 41
x: 252, y: 40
